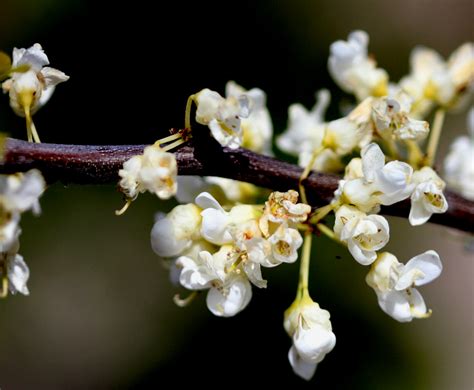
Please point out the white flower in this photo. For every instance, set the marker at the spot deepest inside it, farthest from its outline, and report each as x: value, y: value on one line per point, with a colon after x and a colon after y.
x: 327, y: 160
x: 342, y: 135
x: 174, y: 233
x: 34, y: 87
x: 29, y: 90
x: 427, y: 197
x: 229, y: 293
x: 353, y: 70
x: 382, y: 183
x: 311, y: 331
x: 354, y: 169
x: 217, y: 223
x: 18, y: 193
x: 154, y: 171
x: 129, y: 177
x: 394, y: 283
x: 222, y: 116
x: 285, y: 243
x: 305, y: 128
x: 257, y: 128
x: 363, y: 234
x: 434, y: 80
x: 459, y: 163
x: 17, y: 272
x: 392, y: 121
x: 281, y: 207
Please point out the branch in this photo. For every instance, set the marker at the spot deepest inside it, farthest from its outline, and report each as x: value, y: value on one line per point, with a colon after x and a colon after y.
x: 84, y: 164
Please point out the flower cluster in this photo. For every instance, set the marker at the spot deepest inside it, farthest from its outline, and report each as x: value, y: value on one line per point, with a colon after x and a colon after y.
x: 31, y: 84
x: 223, y: 251
x: 18, y: 193
x: 239, y: 119
x: 155, y: 171
x: 254, y: 132
x: 387, y: 113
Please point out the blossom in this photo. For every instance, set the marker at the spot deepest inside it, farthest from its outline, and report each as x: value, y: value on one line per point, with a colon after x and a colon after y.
x: 222, y: 115
x: 382, y: 183
x: 256, y: 134
x: 353, y: 70
x: 432, y: 80
x: 394, y: 283
x: 310, y: 329
x: 174, y: 233
x: 229, y: 293
x: 30, y: 90
x: 18, y: 193
x: 257, y: 128
x: 17, y: 272
x: 217, y: 223
x: 459, y: 163
x: 427, y: 197
x: 391, y: 119
x: 305, y: 128
x: 154, y: 171
x: 282, y: 207
x: 342, y: 135
x: 363, y: 234
x: 285, y: 242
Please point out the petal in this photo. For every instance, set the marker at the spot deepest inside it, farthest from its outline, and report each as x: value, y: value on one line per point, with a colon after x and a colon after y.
x: 33, y: 56
x: 254, y: 273
x: 373, y: 160
x: 429, y: 263
x: 230, y: 300
x: 417, y: 303
x: 362, y: 256
x: 418, y: 213
x: 193, y: 276
x: 18, y: 274
x: 53, y: 77
x: 214, y: 226
x: 164, y: 241
x: 206, y: 201
x: 300, y: 367
x: 396, y: 305
x: 314, y: 343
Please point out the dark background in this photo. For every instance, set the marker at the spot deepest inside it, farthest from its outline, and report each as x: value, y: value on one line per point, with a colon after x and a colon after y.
x: 100, y: 314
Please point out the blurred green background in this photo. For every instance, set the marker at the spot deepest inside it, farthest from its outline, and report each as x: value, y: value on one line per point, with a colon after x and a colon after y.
x: 100, y: 314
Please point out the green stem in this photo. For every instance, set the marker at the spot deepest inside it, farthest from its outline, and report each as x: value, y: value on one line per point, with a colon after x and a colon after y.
x: 329, y: 233
x: 322, y: 212
x: 187, y: 114
x: 434, y: 137
x: 304, y: 265
x: 306, y: 172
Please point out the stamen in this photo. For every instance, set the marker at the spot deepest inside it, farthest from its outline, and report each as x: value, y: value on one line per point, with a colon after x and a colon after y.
x: 434, y: 137
x: 183, y: 302
x: 30, y: 126
x: 187, y: 114
x: 173, y: 145
x: 170, y: 138
x: 124, y: 208
x: 4, y: 291
x: 306, y: 172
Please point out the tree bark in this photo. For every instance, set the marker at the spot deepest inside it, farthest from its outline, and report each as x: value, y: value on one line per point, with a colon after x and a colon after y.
x: 87, y: 164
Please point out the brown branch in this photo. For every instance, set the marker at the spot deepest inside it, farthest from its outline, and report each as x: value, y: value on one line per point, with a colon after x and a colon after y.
x: 100, y: 165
